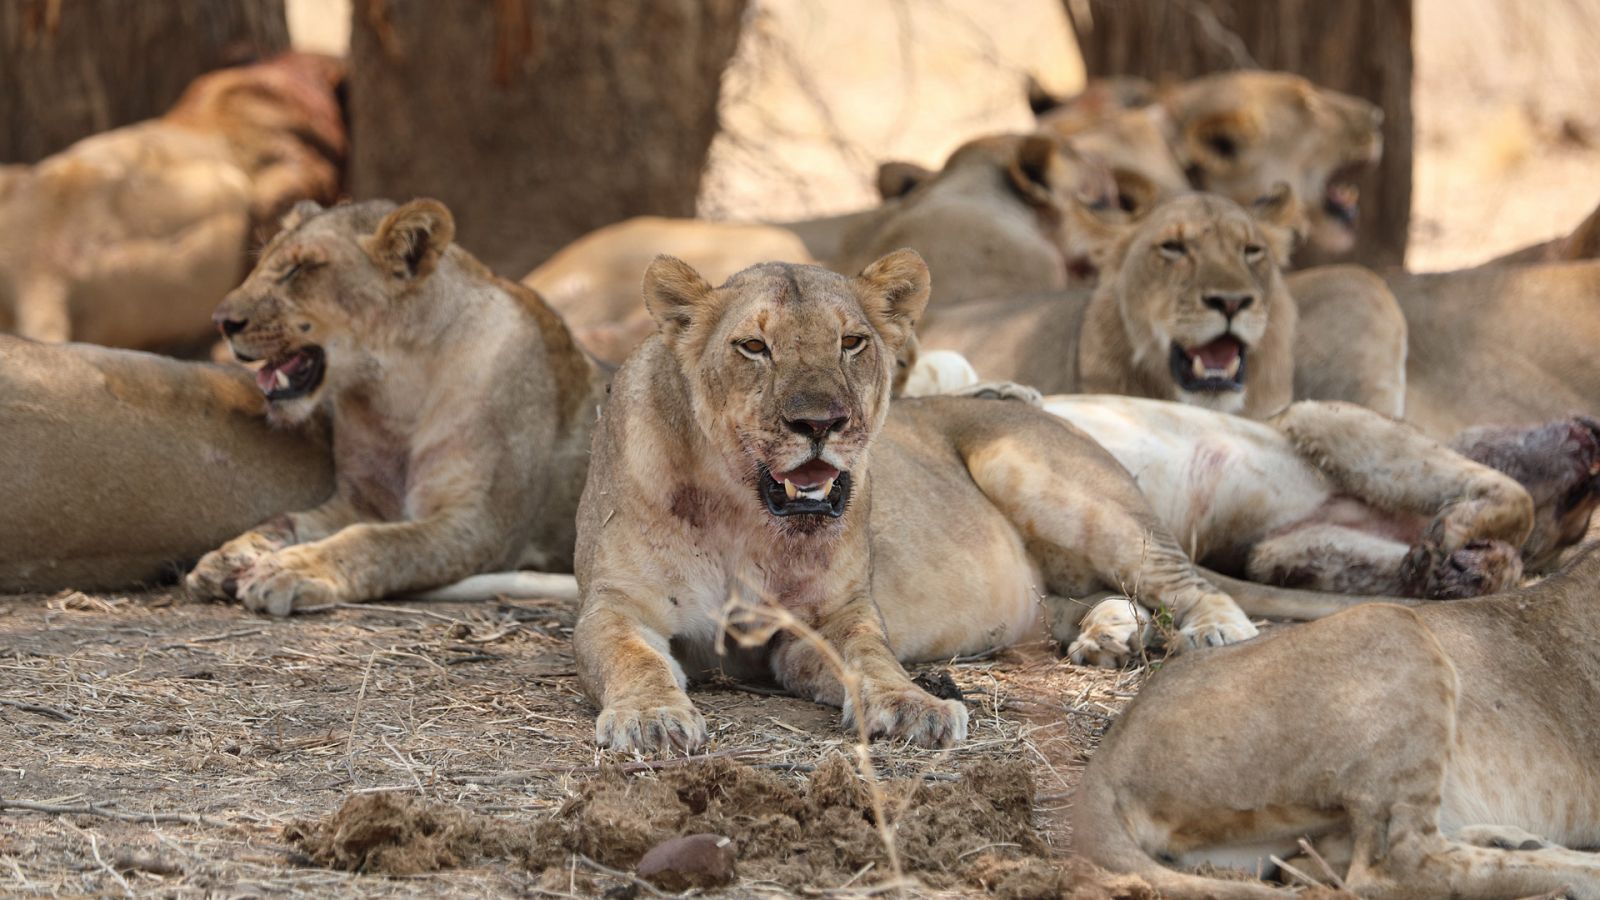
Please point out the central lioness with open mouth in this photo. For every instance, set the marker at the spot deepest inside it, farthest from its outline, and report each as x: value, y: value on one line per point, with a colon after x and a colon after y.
x: 749, y: 450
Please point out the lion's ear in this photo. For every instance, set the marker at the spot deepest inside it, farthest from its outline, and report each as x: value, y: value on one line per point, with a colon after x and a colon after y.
x: 1282, y: 221
x: 1035, y: 168
x: 674, y: 293
x: 894, y: 292
x: 897, y: 179
x: 410, y: 240
x: 298, y: 214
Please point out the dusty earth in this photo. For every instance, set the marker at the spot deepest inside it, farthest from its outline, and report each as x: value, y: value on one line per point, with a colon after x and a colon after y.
x: 444, y: 749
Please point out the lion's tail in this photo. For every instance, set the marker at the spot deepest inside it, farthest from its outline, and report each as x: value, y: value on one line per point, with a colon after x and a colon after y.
x: 1102, y: 836
x: 497, y: 584
x: 1268, y: 602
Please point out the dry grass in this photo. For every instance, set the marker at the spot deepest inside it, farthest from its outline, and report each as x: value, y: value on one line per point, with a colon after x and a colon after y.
x: 230, y: 727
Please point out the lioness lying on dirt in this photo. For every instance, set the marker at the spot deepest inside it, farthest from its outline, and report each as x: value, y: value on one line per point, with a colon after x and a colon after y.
x: 461, y: 411
x: 733, y: 459
x: 1438, y: 751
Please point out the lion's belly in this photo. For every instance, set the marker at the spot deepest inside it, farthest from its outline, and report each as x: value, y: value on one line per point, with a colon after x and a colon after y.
x: 1220, y: 483
x: 951, y: 574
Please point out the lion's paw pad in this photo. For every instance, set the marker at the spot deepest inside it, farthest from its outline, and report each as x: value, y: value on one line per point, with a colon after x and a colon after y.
x: 911, y: 714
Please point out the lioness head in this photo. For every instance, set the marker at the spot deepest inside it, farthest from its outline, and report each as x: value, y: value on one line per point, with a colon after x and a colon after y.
x: 1239, y: 133
x: 1201, y: 300
x: 788, y: 370
x: 993, y: 221
x: 326, y: 292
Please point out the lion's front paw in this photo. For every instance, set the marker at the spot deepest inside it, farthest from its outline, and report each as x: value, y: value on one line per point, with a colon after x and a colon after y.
x: 1004, y: 390
x: 1214, y: 622
x: 651, y: 729
x: 1111, y: 634
x: 216, y: 575
x: 909, y: 713
x: 283, y: 582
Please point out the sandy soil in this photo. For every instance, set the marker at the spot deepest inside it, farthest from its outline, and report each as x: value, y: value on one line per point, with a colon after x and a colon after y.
x: 245, y: 733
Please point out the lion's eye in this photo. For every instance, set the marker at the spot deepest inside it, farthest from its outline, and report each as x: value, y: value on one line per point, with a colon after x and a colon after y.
x: 1223, y: 145
x: 753, y: 348
x: 1254, y: 252
x: 1173, y: 249
x: 852, y: 342
x: 289, y: 275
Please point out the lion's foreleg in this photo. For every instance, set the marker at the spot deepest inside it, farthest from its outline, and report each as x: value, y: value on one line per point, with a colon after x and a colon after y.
x: 881, y: 697
x: 370, y: 560
x: 626, y: 667
x: 216, y: 575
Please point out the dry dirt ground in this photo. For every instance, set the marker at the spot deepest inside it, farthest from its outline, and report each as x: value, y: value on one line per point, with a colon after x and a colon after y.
x: 460, y: 731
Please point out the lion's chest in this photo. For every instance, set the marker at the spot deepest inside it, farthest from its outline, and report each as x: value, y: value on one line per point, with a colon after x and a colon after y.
x: 372, y: 464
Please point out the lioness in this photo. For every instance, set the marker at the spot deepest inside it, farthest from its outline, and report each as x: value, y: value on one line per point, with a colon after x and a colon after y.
x: 461, y: 410
x: 124, y: 467
x: 128, y: 238
x: 733, y: 458
x: 1438, y: 751
x: 1327, y: 496
x: 1191, y: 306
x: 1235, y: 134
x: 995, y: 216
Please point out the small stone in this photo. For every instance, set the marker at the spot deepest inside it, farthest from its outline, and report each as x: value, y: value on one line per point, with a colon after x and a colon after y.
x: 694, y: 860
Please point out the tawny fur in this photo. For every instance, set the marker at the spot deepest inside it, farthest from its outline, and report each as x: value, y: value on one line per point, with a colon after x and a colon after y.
x: 460, y: 407
x: 671, y: 523
x: 1428, y: 752
x: 128, y: 238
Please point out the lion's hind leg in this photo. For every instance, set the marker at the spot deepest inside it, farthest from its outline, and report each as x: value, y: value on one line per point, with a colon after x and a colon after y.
x: 1086, y: 522
x: 1477, y: 517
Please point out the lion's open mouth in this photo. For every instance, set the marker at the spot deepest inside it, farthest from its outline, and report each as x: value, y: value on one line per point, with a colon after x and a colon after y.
x: 813, y: 489
x: 1341, y: 198
x: 295, y: 375
x: 1214, y: 367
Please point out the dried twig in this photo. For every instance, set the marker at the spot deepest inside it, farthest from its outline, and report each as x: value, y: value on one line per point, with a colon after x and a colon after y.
x: 49, y: 711
x: 1307, y: 849
x: 92, y: 809
x: 633, y: 879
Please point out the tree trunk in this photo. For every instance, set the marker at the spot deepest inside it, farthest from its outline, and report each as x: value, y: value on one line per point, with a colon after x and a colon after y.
x: 1361, y: 47
x: 537, y: 121
x: 72, y: 68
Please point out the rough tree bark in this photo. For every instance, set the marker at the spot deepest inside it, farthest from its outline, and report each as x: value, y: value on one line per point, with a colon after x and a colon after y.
x: 537, y: 121
x: 1361, y: 47
x: 71, y: 68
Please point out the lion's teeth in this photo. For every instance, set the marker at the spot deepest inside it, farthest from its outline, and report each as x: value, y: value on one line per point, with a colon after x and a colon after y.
x: 827, y: 487
x: 790, y: 489
x: 281, y: 380
x: 1199, y: 367
x: 1232, y: 369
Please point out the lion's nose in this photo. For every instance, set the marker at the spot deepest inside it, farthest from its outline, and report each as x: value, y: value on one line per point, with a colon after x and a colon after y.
x: 816, y: 428
x: 229, y: 327
x: 1228, y: 304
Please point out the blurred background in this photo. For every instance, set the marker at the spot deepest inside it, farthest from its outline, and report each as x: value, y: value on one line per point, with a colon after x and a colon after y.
x: 801, y: 99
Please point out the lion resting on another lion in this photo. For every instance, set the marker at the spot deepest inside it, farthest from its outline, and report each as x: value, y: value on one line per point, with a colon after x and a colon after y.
x: 128, y: 238
x: 733, y: 460
x: 1438, y: 751
x: 460, y: 407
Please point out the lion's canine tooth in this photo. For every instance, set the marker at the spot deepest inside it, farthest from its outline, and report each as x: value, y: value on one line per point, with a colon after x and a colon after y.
x: 827, y: 487
x: 281, y: 380
x: 790, y: 489
x: 1232, y: 369
x: 1199, y: 366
